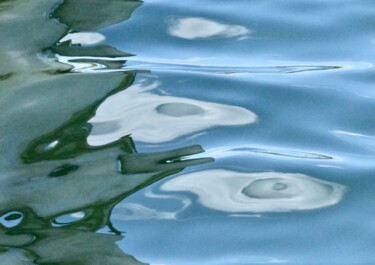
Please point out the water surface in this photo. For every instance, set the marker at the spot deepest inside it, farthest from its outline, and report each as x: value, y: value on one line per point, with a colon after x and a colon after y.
x: 198, y: 132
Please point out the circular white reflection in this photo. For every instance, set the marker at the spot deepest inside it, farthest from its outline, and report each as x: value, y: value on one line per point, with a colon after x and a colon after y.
x: 232, y: 191
x: 198, y: 28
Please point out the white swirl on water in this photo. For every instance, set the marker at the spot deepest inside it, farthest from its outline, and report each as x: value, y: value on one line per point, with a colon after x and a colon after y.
x: 198, y: 28
x: 232, y: 191
x: 154, y: 119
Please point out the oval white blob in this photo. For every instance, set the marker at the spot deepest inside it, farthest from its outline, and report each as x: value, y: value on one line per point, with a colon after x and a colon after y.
x: 199, y: 28
x: 232, y: 191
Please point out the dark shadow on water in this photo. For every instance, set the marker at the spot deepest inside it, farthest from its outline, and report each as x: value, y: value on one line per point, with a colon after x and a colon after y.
x: 45, y: 240
x: 56, y: 190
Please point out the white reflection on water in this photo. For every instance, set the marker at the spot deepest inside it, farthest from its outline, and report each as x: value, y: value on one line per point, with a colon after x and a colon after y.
x: 135, y: 211
x: 11, y: 219
x: 197, y: 28
x: 365, y: 142
x: 232, y: 260
x: 230, y: 151
x: 154, y: 119
x: 66, y: 219
x: 232, y: 191
x: 84, y: 38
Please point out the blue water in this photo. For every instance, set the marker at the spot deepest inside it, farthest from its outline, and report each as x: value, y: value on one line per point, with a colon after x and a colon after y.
x: 280, y: 71
x: 278, y: 94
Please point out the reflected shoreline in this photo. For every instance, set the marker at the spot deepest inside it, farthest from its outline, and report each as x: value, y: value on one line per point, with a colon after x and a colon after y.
x: 57, y: 190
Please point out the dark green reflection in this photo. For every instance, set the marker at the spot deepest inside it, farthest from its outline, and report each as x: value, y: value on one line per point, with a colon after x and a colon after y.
x: 69, y: 140
x: 56, y: 191
x: 90, y: 194
x: 92, y: 15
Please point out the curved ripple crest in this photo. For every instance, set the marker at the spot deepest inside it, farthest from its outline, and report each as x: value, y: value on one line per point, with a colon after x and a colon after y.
x: 232, y: 191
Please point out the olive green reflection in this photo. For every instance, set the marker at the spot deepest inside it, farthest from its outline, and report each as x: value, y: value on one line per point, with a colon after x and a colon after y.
x: 88, y: 189
x: 56, y: 191
x: 92, y: 15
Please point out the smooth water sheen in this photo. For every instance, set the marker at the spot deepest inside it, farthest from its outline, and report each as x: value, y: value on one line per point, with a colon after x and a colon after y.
x: 187, y: 132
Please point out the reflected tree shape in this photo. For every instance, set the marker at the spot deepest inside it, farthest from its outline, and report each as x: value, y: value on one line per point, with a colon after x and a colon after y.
x: 29, y: 68
x: 92, y: 188
x: 92, y: 15
x: 48, y: 170
x: 70, y: 139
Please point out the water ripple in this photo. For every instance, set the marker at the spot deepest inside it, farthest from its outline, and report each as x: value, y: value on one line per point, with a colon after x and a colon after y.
x: 84, y: 60
x: 284, y: 153
x: 224, y: 70
x: 266, y: 150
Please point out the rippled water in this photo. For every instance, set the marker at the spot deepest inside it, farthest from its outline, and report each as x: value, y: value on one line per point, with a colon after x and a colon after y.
x: 197, y: 132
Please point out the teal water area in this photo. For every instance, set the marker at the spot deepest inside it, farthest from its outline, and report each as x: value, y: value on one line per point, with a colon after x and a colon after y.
x: 197, y: 132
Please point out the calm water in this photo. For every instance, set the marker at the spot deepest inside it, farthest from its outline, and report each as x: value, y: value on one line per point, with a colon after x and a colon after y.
x: 187, y: 132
